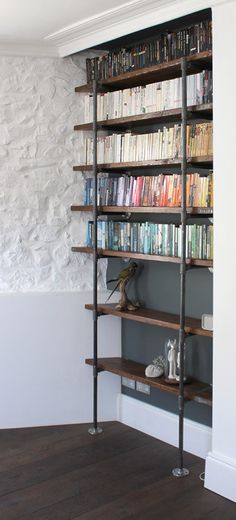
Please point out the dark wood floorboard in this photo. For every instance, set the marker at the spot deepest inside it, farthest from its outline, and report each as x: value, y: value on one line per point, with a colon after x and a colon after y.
x: 62, y: 473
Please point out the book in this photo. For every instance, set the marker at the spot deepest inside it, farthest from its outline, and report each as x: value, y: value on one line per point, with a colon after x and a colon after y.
x: 164, y: 144
x: 151, y: 191
x: 165, y: 47
x: 152, y: 238
x: 154, y: 97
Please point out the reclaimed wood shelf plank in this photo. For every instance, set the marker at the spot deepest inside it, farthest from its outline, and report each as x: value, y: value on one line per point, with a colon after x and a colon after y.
x: 142, y: 256
x: 153, y: 317
x: 143, y: 209
x: 150, y: 118
x: 153, y: 73
x: 194, y: 391
x: 204, y: 160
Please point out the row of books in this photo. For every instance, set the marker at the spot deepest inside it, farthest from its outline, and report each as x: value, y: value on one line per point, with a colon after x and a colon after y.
x: 152, y: 191
x: 165, y: 47
x: 152, y: 238
x: 154, y: 97
x: 164, y: 144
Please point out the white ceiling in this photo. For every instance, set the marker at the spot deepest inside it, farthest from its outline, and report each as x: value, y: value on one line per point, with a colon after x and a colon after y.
x: 39, y: 27
x: 24, y: 20
x: 63, y: 27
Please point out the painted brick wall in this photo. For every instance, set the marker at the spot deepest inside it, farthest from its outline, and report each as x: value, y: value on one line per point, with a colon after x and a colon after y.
x: 38, y: 147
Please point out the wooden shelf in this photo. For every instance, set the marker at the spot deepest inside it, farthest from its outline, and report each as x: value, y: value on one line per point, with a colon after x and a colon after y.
x: 144, y: 209
x: 154, y: 117
x: 153, y: 73
x: 194, y: 391
x: 142, y: 256
x: 199, y: 161
x: 154, y: 317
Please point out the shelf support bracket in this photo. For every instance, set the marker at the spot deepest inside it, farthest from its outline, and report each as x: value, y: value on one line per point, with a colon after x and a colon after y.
x: 199, y: 115
x: 98, y: 370
x: 195, y: 267
x: 201, y: 65
x: 189, y: 335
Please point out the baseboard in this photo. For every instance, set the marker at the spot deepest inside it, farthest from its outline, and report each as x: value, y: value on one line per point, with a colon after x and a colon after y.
x: 163, y: 425
x: 220, y: 475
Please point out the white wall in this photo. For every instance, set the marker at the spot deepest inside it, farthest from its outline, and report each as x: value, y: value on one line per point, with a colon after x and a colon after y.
x: 45, y: 331
x: 38, y: 147
x: 221, y: 462
x: 45, y: 338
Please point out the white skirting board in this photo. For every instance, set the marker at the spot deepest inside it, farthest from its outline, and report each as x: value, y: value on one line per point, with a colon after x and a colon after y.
x: 163, y: 425
x: 220, y: 475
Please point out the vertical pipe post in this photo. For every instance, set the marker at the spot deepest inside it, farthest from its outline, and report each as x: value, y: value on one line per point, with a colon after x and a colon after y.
x: 181, y: 471
x: 95, y: 429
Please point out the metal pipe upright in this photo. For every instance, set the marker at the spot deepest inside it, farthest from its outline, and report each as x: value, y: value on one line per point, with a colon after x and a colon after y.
x: 95, y: 429
x: 181, y: 471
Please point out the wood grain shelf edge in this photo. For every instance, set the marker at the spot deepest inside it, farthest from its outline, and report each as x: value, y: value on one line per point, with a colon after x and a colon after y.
x: 142, y: 256
x: 194, y: 391
x: 199, y: 160
x: 143, y: 209
x: 152, y: 73
x: 154, y: 317
x: 140, y: 119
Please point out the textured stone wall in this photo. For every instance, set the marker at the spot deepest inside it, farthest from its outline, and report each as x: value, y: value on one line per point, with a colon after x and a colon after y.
x: 38, y: 147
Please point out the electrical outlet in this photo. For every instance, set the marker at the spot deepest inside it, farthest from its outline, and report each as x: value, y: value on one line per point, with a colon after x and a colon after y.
x: 129, y: 383
x: 141, y: 387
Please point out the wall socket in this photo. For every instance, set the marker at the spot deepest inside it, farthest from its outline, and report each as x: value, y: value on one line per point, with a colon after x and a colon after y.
x: 141, y: 387
x: 129, y: 383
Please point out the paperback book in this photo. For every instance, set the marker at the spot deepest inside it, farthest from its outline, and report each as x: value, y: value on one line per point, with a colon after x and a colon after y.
x: 163, y: 144
x: 167, y: 46
x: 150, y: 191
x: 155, y: 97
x: 152, y: 238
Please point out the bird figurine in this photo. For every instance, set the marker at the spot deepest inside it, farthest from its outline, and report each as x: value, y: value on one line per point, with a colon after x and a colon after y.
x: 121, y: 282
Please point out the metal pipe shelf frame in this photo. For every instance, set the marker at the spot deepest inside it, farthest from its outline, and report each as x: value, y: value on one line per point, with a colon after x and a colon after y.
x: 180, y: 471
x: 95, y: 429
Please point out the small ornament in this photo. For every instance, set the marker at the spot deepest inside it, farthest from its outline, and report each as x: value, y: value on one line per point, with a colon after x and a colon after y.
x: 171, y: 361
x: 122, y: 281
x: 156, y: 369
x: 153, y: 371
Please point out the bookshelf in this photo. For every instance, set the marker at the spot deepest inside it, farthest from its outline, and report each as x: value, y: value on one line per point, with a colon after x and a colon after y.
x: 194, y: 391
x: 186, y: 326
x: 162, y: 71
x: 203, y: 111
x: 143, y: 209
x: 105, y: 253
x: 153, y: 317
x: 201, y: 161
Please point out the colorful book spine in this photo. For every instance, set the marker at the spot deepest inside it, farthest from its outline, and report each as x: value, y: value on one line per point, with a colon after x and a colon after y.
x: 166, y: 47
x: 152, y: 238
x: 164, y: 144
x: 154, y: 97
x: 151, y: 191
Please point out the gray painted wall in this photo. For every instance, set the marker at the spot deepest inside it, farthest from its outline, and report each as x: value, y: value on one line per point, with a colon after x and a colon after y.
x: 157, y: 287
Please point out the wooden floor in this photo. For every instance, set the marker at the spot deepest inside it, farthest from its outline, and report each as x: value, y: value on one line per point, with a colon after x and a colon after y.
x: 62, y: 473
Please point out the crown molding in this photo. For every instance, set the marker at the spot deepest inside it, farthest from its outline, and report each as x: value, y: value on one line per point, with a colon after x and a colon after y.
x: 116, y: 22
x: 28, y: 49
x: 106, y: 26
